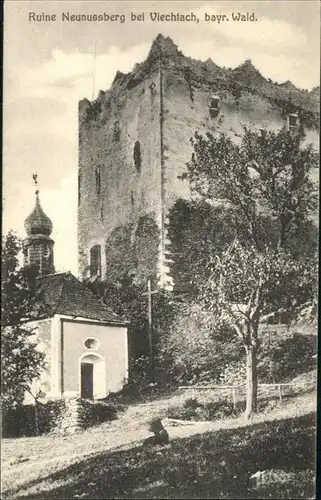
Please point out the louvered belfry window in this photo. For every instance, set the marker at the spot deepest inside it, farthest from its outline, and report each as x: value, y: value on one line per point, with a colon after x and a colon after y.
x: 95, y: 260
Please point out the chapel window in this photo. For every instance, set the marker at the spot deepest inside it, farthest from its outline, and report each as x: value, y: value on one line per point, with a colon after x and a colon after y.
x: 91, y: 343
x: 95, y: 261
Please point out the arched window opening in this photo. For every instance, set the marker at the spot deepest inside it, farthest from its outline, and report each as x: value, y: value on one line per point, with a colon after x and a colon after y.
x: 137, y: 156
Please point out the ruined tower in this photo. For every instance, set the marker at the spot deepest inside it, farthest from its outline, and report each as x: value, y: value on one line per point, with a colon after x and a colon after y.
x: 134, y: 144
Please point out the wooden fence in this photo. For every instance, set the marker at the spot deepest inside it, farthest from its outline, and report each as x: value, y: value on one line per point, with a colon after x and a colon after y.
x: 233, y: 389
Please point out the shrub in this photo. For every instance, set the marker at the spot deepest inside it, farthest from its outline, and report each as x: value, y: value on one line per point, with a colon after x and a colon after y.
x: 28, y: 420
x: 198, y: 347
x: 215, y: 410
x: 233, y: 373
x: 282, y: 358
x: 96, y: 412
x: 31, y: 420
x: 191, y: 403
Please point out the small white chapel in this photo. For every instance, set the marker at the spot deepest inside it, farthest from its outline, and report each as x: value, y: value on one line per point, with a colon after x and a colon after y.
x: 85, y: 343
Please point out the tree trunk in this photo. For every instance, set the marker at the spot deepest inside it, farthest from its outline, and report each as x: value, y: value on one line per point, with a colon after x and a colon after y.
x: 251, y: 381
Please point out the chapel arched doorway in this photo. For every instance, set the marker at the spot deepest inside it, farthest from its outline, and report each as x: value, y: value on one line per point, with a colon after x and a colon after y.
x: 92, y: 376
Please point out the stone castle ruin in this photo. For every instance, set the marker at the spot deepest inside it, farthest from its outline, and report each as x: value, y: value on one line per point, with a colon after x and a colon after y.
x: 134, y: 145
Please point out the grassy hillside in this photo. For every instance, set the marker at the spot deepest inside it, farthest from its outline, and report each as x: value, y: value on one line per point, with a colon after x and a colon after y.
x: 210, y: 465
x: 203, y: 460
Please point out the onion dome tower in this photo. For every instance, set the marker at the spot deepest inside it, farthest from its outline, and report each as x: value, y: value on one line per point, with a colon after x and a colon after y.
x: 38, y: 246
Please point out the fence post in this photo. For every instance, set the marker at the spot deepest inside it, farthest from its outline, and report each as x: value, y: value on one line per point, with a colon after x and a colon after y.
x: 234, y: 398
x: 36, y: 418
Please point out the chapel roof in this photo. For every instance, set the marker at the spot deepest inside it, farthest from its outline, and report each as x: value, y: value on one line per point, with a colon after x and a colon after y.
x: 64, y: 294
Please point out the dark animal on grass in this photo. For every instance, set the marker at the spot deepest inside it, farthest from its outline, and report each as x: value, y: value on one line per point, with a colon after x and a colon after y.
x: 160, y: 437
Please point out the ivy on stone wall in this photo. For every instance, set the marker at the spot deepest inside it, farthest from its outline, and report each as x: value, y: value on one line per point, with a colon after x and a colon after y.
x: 132, y: 251
x: 196, y: 231
x: 120, y: 260
x: 146, y: 247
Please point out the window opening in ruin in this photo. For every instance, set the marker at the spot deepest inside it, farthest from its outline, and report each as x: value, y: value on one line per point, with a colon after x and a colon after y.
x: 214, y: 105
x: 293, y: 121
x: 98, y: 179
x: 137, y: 156
x: 132, y: 199
x: 116, y: 131
x: 152, y: 89
x: 95, y: 261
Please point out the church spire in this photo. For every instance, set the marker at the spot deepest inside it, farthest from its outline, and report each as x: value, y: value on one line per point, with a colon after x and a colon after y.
x: 38, y: 246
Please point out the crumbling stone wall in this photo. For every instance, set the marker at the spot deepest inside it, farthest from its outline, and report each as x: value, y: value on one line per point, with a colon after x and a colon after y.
x: 119, y: 135
x: 134, y: 138
x: 77, y: 414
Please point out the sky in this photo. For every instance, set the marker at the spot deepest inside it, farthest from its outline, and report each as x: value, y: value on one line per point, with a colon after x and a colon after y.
x: 49, y: 66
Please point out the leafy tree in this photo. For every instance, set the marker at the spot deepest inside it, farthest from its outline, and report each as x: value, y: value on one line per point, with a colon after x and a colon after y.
x: 197, y: 347
x: 21, y: 362
x: 197, y: 230
x: 265, y: 176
